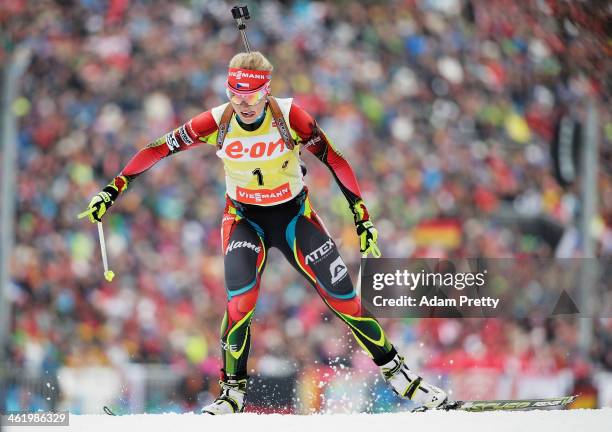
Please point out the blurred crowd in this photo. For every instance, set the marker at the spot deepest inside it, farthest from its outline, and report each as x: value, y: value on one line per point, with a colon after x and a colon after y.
x: 446, y: 109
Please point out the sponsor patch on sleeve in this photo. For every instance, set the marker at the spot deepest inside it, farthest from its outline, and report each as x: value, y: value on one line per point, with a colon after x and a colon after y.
x: 312, y: 141
x: 185, y: 135
x: 172, y: 142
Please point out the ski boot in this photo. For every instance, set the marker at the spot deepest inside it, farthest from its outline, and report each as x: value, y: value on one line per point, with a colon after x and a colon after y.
x: 409, y: 385
x: 231, y: 399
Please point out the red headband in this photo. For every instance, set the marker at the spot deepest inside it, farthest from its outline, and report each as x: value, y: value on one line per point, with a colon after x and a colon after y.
x: 247, y: 81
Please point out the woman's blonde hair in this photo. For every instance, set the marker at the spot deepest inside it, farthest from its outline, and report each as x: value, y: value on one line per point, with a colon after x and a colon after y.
x: 253, y: 60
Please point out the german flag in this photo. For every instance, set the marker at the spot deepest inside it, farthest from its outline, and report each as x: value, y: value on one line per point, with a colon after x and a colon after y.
x: 445, y: 233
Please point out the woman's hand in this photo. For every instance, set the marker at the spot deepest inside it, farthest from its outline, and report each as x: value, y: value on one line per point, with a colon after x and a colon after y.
x: 368, y: 235
x: 97, y: 207
x: 104, y: 199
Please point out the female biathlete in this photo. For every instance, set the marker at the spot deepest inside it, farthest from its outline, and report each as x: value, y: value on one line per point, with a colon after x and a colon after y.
x: 259, y: 139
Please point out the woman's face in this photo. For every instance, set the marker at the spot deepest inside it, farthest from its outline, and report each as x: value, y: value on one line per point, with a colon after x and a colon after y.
x: 249, y: 113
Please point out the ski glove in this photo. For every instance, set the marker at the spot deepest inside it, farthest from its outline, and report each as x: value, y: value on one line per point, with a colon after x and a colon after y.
x: 104, y: 199
x: 367, y: 238
x: 368, y: 235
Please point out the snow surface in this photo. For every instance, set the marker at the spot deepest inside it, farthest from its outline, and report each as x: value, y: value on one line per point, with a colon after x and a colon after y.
x: 536, y: 421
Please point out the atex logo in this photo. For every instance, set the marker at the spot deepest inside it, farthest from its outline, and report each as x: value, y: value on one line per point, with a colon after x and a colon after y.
x: 242, y: 244
x: 338, y: 270
x: 320, y: 252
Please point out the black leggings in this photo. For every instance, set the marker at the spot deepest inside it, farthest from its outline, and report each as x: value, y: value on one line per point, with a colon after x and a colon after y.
x: 294, y: 228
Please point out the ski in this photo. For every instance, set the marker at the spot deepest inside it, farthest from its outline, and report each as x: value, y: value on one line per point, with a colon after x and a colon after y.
x: 484, y: 405
x: 504, y: 405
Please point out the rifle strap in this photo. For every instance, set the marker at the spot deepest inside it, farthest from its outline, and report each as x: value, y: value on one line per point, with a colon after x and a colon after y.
x: 226, y: 117
x: 281, y: 124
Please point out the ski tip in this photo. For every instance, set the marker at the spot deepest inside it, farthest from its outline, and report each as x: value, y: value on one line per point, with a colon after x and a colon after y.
x: 501, y: 405
x: 108, y: 411
x: 517, y: 404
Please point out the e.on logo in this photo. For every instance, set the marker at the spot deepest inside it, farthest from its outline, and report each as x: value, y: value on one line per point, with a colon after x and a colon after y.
x: 258, y: 150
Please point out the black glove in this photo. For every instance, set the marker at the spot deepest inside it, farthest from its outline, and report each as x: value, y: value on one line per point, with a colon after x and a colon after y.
x: 104, y: 199
x: 365, y: 230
